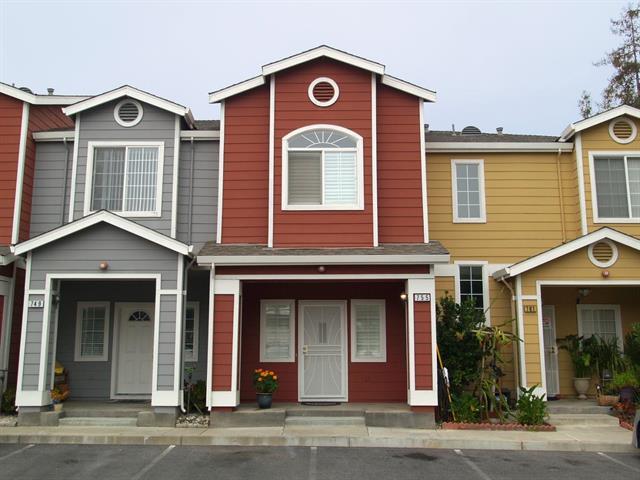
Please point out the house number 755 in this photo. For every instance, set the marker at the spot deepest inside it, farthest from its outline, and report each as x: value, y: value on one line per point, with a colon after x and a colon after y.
x: 421, y: 297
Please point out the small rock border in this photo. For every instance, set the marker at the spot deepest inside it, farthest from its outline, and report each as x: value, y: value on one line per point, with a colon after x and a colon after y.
x: 508, y: 427
x: 193, y: 420
x: 625, y: 424
x: 8, y: 420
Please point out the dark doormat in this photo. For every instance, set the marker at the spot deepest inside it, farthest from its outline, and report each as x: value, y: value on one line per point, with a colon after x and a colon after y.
x: 320, y: 404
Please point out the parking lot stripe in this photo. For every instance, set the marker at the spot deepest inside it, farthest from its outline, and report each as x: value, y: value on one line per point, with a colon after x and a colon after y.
x: 16, y: 452
x: 313, y: 463
x: 472, y: 465
x: 151, y: 464
x: 615, y: 460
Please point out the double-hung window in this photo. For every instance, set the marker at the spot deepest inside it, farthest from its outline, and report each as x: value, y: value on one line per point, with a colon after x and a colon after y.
x: 191, y: 321
x: 322, y: 169
x: 368, y: 331
x: 92, y: 332
x: 277, y: 331
x: 617, y: 188
x: 468, y: 191
x: 471, y: 284
x: 125, y: 178
x: 603, y: 321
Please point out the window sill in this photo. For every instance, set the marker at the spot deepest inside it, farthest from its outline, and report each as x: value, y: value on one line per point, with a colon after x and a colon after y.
x: 616, y: 220
x: 322, y: 208
x: 369, y: 360
x: 282, y: 360
x: 128, y: 214
x: 90, y: 359
x: 469, y: 220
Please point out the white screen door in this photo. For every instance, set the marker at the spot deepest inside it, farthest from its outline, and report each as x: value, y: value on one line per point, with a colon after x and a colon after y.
x: 323, y: 347
x: 550, y: 350
x: 135, y: 349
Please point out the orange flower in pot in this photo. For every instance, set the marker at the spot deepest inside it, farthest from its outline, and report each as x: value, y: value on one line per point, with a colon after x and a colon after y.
x: 265, y: 382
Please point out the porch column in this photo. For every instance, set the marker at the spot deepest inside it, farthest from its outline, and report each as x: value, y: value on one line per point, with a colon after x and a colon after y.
x: 421, y: 319
x: 532, y: 368
x: 223, y: 392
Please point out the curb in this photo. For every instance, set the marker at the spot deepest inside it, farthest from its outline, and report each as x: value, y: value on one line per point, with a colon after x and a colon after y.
x: 317, y: 441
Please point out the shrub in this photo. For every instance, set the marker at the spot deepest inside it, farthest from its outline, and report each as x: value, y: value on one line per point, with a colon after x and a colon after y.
x: 466, y: 408
x: 265, y: 381
x: 8, y: 402
x: 532, y: 408
x: 632, y: 345
x: 581, y: 358
x: 199, y: 395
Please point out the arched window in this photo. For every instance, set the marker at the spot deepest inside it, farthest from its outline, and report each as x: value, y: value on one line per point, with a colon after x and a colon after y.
x: 322, y: 169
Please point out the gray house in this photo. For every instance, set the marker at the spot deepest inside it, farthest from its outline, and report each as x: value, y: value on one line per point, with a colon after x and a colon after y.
x: 119, y: 206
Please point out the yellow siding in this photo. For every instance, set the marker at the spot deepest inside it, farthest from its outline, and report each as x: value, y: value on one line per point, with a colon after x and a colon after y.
x: 522, y: 202
x: 597, y: 139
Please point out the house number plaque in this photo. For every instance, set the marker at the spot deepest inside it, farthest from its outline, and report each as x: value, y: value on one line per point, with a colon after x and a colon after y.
x: 36, y: 303
x: 421, y: 297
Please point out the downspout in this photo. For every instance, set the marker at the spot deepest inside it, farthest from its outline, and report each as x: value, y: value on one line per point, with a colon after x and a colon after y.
x: 184, y: 303
x: 561, y: 194
x: 190, y: 214
x: 66, y: 178
x: 514, y: 314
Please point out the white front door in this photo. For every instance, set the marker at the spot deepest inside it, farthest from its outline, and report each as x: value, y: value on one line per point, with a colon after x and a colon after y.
x: 550, y: 350
x: 323, y: 351
x: 135, y: 349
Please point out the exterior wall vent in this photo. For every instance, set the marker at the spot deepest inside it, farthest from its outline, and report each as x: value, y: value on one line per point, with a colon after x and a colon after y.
x: 128, y: 113
x: 471, y: 130
x: 323, y: 92
x: 603, y: 253
x: 622, y: 130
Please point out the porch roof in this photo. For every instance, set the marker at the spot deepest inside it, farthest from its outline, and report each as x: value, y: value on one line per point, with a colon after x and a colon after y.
x: 102, y: 216
x: 566, y: 248
x: 414, y: 253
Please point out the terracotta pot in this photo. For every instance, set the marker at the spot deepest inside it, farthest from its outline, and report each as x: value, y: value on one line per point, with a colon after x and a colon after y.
x: 264, y: 400
x: 582, y: 387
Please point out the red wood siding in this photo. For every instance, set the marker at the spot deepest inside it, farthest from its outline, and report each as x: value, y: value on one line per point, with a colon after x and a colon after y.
x: 10, y: 121
x: 368, y: 382
x: 41, y: 117
x: 246, y: 168
x: 422, y: 345
x: 16, y: 328
x: 329, y: 269
x: 294, y: 110
x: 399, y: 167
x: 222, y: 342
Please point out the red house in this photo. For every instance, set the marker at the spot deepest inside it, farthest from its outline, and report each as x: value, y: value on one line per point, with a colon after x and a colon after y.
x: 323, y: 269
x: 21, y: 113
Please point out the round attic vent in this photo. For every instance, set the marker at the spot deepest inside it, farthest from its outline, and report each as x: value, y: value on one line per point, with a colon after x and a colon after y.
x: 471, y: 130
x: 128, y: 113
x: 323, y: 92
x: 622, y: 130
x: 603, y: 253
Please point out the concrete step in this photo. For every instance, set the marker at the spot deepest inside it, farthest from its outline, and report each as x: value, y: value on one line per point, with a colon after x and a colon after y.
x: 131, y: 412
x: 98, y: 422
x: 324, y: 412
x: 322, y: 421
x: 577, y: 408
x: 594, y: 419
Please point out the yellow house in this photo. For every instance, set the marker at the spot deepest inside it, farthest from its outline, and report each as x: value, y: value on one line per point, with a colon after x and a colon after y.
x: 543, y: 234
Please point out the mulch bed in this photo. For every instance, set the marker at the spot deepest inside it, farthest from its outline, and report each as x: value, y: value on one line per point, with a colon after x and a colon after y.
x: 505, y: 427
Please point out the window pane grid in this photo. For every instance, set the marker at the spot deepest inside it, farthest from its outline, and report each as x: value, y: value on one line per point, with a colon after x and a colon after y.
x: 468, y: 190
x: 472, y: 284
x: 189, y: 325
x: 368, y: 335
x: 277, y: 332
x: 617, y: 186
x: 600, y: 322
x: 92, y: 331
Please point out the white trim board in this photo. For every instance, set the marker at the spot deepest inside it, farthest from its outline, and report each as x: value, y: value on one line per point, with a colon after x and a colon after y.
x: 576, y: 127
x: 220, y: 176
x: 374, y: 157
x: 200, y: 135
x: 22, y: 158
x: 57, y: 136
x: 231, y: 260
x: 106, y: 217
x: 581, y: 194
x: 74, y: 169
x: 36, y: 99
x: 175, y: 178
x: 498, y: 147
x: 572, y: 246
x: 423, y: 176
x: 272, y: 109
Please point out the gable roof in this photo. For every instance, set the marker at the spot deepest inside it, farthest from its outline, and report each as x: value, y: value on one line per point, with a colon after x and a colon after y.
x: 576, y: 127
x: 318, y: 52
x: 102, y: 216
x: 131, y: 92
x: 564, y: 249
x: 35, y: 99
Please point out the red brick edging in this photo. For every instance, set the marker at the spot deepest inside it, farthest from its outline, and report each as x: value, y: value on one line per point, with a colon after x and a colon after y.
x: 625, y: 424
x: 498, y: 426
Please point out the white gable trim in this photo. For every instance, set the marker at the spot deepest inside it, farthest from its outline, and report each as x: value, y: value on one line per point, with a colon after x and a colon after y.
x: 98, y: 217
x: 127, y: 91
x: 219, y: 95
x: 40, y: 99
x: 236, y: 260
x: 569, y: 247
x: 423, y: 93
x: 574, y: 128
x: 492, y: 147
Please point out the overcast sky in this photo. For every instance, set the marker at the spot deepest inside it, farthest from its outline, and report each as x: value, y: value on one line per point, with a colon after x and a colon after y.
x: 517, y: 64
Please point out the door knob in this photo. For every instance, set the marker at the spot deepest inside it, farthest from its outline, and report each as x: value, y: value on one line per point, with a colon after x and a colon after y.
x: 305, y: 349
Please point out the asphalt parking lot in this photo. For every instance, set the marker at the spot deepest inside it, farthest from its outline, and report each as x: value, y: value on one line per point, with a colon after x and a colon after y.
x: 106, y: 462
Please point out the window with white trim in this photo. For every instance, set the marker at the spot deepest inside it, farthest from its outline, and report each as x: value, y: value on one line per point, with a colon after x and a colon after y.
x: 277, y: 331
x: 92, y: 332
x: 468, y: 191
x: 601, y: 320
x: 368, y: 331
x: 125, y: 179
x: 322, y: 169
x: 191, y: 321
x: 617, y: 184
x: 471, y: 284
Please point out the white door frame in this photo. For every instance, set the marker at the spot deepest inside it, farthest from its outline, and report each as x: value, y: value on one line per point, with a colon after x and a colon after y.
x: 117, y: 317
x: 345, y: 365
x: 555, y: 348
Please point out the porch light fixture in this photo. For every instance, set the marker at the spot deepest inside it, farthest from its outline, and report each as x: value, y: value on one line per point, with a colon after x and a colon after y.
x: 321, y: 269
x: 605, y: 273
x: 403, y: 296
x: 583, y: 292
x: 103, y: 265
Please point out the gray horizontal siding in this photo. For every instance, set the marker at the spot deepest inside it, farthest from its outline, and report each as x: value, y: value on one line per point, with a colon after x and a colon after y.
x: 50, y: 200
x: 204, y: 156
x: 98, y: 124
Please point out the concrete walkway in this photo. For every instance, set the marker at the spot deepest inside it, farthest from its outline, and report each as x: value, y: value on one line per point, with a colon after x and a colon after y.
x: 568, y: 437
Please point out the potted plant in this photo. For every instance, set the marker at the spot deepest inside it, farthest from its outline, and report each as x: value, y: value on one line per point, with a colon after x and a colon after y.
x: 57, y: 396
x: 627, y: 383
x: 582, y: 363
x: 608, y: 361
x: 265, y: 382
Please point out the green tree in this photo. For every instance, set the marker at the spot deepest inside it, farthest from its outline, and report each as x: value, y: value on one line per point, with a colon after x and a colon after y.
x: 584, y: 104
